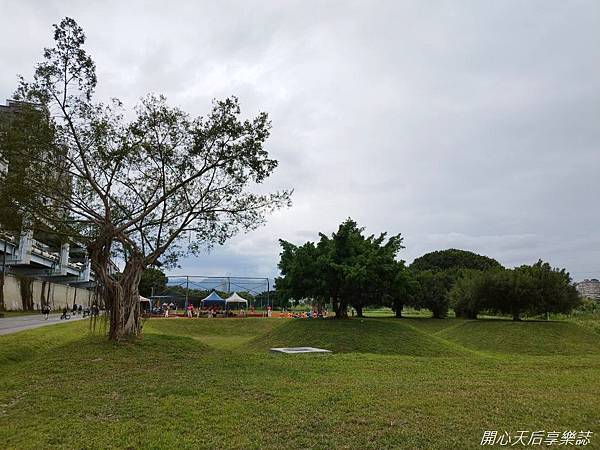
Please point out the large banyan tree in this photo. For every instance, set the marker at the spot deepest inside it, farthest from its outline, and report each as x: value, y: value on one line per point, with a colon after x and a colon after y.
x: 154, y: 187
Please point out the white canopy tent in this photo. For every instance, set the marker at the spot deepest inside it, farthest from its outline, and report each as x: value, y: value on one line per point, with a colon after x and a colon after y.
x: 145, y: 303
x: 235, y: 298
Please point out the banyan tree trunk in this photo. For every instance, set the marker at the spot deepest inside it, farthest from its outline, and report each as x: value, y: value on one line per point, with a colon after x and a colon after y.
x: 121, y: 297
x: 359, y: 311
x: 341, y: 310
x: 123, y: 301
x: 398, y: 309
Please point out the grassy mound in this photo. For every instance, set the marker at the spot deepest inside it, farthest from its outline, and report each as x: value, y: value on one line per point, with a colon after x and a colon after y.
x: 523, y: 338
x: 379, y: 336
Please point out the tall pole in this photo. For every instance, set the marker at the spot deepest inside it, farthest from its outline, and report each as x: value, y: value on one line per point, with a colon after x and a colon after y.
x: 268, y: 292
x: 187, y: 289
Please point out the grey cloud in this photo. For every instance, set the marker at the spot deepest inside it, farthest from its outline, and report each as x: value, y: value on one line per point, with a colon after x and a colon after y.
x: 471, y: 124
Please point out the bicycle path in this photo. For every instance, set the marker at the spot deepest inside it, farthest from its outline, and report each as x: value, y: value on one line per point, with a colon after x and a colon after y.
x: 14, y: 324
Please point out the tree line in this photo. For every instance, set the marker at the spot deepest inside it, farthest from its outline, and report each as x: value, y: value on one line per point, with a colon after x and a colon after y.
x: 350, y: 269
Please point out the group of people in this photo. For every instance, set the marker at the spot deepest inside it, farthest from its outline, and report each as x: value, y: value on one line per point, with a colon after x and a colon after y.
x: 94, y: 311
x: 203, y: 311
x: 166, y: 307
x: 217, y: 310
x: 313, y: 314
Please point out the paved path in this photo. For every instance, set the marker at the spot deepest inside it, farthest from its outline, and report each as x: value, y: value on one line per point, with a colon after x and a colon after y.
x: 19, y: 323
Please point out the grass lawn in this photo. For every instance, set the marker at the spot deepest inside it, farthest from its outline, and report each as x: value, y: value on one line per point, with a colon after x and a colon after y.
x: 212, y: 383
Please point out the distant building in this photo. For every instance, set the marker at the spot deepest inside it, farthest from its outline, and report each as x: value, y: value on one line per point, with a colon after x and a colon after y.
x: 589, y: 288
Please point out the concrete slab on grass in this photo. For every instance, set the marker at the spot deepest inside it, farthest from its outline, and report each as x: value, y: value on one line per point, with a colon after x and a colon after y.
x: 294, y: 350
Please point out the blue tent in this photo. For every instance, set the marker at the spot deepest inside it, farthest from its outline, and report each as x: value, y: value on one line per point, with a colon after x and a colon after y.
x: 213, y: 299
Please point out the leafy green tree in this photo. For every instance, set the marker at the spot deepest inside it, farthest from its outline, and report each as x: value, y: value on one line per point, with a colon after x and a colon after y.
x: 536, y: 289
x: 142, y: 189
x: 346, y: 268
x: 453, y: 259
x: 510, y: 292
x: 153, y: 280
x: 554, y: 291
x: 449, y: 267
x: 401, y: 289
x: 467, y: 295
x: 432, y: 292
x: 301, y: 275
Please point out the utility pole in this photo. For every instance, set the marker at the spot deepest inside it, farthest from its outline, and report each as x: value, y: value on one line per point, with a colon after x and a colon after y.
x: 268, y: 293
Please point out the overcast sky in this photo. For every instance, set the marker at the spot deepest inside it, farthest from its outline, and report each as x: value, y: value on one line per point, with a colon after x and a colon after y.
x: 465, y: 124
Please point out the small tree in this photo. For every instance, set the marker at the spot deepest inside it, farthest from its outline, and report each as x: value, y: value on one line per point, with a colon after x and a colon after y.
x: 401, y: 289
x: 555, y: 291
x: 154, y: 188
x: 467, y: 296
x: 153, y: 280
x: 432, y: 292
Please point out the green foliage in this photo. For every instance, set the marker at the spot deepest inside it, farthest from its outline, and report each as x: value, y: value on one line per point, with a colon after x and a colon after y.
x: 432, y: 292
x: 453, y: 259
x: 26, y: 136
x: 347, y: 268
x: 152, y: 280
x: 402, y: 290
x: 534, y: 290
x: 275, y: 298
x: 465, y: 296
x: 437, y: 272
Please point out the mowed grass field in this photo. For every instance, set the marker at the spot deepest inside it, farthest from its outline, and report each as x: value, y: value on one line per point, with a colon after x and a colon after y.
x: 212, y: 383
